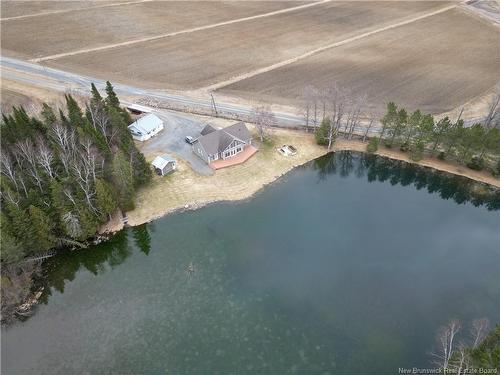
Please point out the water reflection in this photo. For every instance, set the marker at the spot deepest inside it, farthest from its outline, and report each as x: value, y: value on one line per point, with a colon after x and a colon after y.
x: 96, y: 260
x: 115, y: 251
x: 288, y: 282
x: 461, y: 190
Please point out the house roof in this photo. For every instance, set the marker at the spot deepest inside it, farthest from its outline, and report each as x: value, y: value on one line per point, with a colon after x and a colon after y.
x: 207, y: 129
x: 161, y: 161
x: 147, y: 123
x: 218, y: 140
x: 239, y: 130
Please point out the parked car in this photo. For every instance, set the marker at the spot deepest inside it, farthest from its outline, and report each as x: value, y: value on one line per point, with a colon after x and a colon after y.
x: 190, y: 139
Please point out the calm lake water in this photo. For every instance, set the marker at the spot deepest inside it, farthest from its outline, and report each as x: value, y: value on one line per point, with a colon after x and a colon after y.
x: 347, y: 265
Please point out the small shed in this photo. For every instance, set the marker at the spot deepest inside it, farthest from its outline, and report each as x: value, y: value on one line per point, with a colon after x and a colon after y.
x: 146, y: 127
x: 164, y: 164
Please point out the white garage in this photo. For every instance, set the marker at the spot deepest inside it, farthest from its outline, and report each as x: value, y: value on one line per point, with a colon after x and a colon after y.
x: 146, y: 127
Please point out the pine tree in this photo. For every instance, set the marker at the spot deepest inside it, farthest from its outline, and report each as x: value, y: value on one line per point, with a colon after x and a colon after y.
x: 75, y: 115
x: 142, y: 171
x: 111, y: 99
x: 43, y: 239
x: 106, y: 202
x: 96, y: 96
x: 123, y: 180
x: 11, y: 249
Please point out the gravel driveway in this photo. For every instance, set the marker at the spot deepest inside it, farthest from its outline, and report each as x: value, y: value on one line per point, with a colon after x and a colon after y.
x: 171, y: 139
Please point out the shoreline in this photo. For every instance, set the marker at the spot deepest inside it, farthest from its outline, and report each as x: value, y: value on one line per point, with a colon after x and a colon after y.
x: 147, y: 212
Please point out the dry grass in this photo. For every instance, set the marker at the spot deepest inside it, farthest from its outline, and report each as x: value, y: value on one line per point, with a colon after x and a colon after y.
x: 185, y: 187
x: 434, y: 64
x: 200, y: 59
x: 58, y: 33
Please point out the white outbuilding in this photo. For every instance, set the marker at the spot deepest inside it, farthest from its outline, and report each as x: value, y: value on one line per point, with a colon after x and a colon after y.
x: 164, y: 164
x: 146, y: 127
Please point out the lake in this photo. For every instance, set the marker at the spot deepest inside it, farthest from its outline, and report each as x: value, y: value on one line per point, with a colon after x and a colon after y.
x: 346, y: 265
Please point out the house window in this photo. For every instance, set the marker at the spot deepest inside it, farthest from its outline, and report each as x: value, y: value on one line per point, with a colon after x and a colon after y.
x: 238, y: 149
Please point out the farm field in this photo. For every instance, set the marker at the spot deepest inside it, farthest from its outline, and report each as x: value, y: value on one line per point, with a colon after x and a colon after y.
x: 50, y: 34
x: 16, y: 8
x: 194, y: 60
x: 434, y: 64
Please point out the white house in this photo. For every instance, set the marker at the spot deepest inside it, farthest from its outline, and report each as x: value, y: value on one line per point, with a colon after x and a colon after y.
x: 146, y: 127
x: 164, y: 164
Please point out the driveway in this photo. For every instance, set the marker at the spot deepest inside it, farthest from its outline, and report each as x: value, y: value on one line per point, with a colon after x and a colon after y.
x: 171, y: 139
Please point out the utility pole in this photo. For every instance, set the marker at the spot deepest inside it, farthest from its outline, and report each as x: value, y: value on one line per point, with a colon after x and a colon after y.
x: 213, y: 104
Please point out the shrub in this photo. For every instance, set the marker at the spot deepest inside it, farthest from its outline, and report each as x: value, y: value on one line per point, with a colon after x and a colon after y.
x: 441, y: 155
x: 476, y: 163
x: 372, y: 145
x: 404, y: 147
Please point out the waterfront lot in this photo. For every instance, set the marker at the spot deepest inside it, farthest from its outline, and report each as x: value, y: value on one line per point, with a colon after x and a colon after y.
x: 433, y: 64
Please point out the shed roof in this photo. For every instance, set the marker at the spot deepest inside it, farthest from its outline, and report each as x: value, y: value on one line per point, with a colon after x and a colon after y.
x: 161, y: 161
x: 147, y: 123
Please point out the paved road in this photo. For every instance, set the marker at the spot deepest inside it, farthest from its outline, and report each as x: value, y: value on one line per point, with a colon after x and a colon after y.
x: 41, y: 76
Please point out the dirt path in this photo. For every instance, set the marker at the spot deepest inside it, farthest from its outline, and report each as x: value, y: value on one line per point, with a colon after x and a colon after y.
x: 321, y: 49
x: 71, y: 10
x: 187, y: 31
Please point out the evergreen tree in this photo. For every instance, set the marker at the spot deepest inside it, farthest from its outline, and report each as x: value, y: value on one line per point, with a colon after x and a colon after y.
x: 42, y: 237
x: 96, y: 96
x: 59, y: 174
x: 11, y: 249
x: 123, y: 180
x: 106, y: 202
x: 111, y: 99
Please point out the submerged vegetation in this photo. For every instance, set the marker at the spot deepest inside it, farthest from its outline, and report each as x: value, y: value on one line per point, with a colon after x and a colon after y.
x: 63, y: 174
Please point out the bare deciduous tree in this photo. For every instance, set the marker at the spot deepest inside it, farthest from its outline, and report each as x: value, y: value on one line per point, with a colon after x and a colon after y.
x: 64, y: 138
x: 101, y: 122
x: 445, y: 339
x: 367, y: 130
x: 493, y: 117
x: 310, y: 98
x: 479, y: 331
x: 45, y: 157
x: 26, y: 150
x: 264, y: 119
x: 354, y: 115
x: 7, y: 167
x: 72, y: 224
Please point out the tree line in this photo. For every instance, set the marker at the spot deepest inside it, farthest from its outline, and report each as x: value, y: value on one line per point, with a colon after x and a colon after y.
x: 335, y: 111
x: 477, y: 146
x: 64, y: 172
